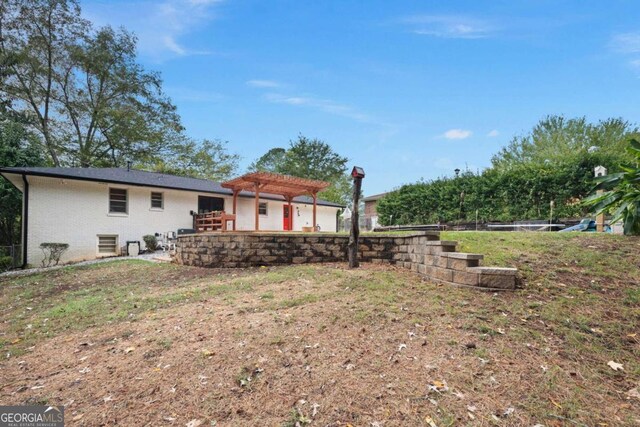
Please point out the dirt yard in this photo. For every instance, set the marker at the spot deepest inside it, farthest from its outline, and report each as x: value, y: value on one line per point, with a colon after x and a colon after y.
x: 132, y: 343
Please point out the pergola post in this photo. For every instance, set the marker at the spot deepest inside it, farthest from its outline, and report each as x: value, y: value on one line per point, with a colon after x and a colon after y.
x: 289, y: 207
x: 235, y: 206
x: 257, y: 193
x: 315, y: 205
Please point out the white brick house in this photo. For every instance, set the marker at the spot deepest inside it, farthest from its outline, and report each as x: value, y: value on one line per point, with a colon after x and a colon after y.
x: 97, y: 210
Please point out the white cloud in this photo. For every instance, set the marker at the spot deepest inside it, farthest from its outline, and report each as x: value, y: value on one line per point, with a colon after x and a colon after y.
x: 450, y: 26
x: 457, y: 134
x: 263, y: 83
x: 493, y: 133
x: 161, y: 27
x: 174, y: 47
x: 626, y: 42
x: 325, y: 105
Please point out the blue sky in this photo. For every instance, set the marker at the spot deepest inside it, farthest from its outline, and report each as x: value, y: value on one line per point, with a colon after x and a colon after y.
x: 405, y: 89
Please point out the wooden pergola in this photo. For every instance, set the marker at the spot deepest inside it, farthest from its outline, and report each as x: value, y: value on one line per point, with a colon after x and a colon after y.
x: 271, y: 183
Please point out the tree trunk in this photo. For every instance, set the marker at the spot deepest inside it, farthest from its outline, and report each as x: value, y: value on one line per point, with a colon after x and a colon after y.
x: 355, y: 225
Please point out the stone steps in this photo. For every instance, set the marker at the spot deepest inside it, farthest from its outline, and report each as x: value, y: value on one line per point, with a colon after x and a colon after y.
x: 444, y: 264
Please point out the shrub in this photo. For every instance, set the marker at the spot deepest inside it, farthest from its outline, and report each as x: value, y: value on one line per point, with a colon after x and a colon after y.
x: 621, y: 194
x: 6, y: 262
x: 151, y: 242
x: 52, y: 253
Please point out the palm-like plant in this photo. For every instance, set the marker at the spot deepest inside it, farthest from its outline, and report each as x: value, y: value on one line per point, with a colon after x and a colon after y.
x: 621, y: 195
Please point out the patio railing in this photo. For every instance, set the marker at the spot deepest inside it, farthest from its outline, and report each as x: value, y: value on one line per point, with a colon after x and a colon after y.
x: 213, y: 221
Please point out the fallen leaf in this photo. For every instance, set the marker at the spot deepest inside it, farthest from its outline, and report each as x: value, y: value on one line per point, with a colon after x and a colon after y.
x: 129, y: 350
x: 194, y: 423
x: 429, y: 421
x: 556, y: 404
x: 615, y: 366
x: 438, y: 386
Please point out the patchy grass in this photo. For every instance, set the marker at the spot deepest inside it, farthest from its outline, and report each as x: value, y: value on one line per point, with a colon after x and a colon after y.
x: 139, y: 343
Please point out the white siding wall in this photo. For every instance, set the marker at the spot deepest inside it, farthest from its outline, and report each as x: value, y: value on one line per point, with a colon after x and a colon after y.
x: 76, y: 212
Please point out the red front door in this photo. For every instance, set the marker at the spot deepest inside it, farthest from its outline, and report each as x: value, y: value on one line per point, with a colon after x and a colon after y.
x: 286, y: 224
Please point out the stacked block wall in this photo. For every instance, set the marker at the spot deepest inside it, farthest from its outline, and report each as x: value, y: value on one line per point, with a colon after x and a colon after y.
x: 421, y: 252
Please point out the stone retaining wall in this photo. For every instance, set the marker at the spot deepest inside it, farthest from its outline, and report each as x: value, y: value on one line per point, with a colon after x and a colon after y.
x: 421, y: 252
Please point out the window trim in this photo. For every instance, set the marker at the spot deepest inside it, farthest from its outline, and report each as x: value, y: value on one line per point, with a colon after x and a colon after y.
x: 115, y: 247
x: 155, y: 208
x: 126, y: 202
x: 266, y: 208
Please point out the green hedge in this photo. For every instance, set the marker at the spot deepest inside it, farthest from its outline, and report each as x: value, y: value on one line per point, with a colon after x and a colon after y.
x: 516, y: 193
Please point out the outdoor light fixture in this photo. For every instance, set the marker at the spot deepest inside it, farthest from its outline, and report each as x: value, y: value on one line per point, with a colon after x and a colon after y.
x: 457, y: 171
x: 357, y: 172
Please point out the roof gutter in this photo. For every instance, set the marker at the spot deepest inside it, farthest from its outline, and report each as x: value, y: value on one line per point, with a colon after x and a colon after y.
x: 25, y: 220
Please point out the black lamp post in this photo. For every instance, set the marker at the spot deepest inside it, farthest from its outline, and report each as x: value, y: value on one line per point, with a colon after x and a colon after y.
x: 457, y: 171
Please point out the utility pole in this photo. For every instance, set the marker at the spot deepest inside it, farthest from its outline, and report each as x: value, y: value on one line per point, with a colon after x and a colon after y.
x: 357, y: 173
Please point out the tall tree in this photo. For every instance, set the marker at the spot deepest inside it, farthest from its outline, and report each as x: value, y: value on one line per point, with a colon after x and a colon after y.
x: 556, y: 139
x: 83, y: 90
x: 271, y: 161
x: 313, y: 159
x: 208, y: 159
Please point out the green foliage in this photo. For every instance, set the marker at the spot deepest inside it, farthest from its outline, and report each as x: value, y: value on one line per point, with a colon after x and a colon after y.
x: 6, y: 262
x: 271, y: 161
x: 18, y: 148
x: 311, y: 159
x: 620, y: 193
x: 207, y: 159
x: 151, y: 242
x: 52, y: 253
x: 84, y: 93
x: 553, y: 163
x: 556, y: 140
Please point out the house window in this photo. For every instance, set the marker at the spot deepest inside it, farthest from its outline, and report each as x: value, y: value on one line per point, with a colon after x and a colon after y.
x: 117, y: 200
x: 157, y: 200
x: 108, y: 245
x: 262, y: 208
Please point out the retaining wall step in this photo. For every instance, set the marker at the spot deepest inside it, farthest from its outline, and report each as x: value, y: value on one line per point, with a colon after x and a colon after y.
x: 462, y: 255
x: 441, y: 243
x: 499, y: 271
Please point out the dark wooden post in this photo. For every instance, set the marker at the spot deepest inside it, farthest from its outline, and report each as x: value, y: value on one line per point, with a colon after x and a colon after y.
x: 315, y: 206
x: 357, y: 174
x: 235, y: 207
x: 257, y: 205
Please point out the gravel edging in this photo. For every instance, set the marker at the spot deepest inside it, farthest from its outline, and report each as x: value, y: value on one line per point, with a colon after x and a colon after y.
x: 151, y: 257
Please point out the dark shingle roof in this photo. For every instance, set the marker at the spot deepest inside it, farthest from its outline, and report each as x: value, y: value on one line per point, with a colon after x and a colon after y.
x: 147, y: 179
